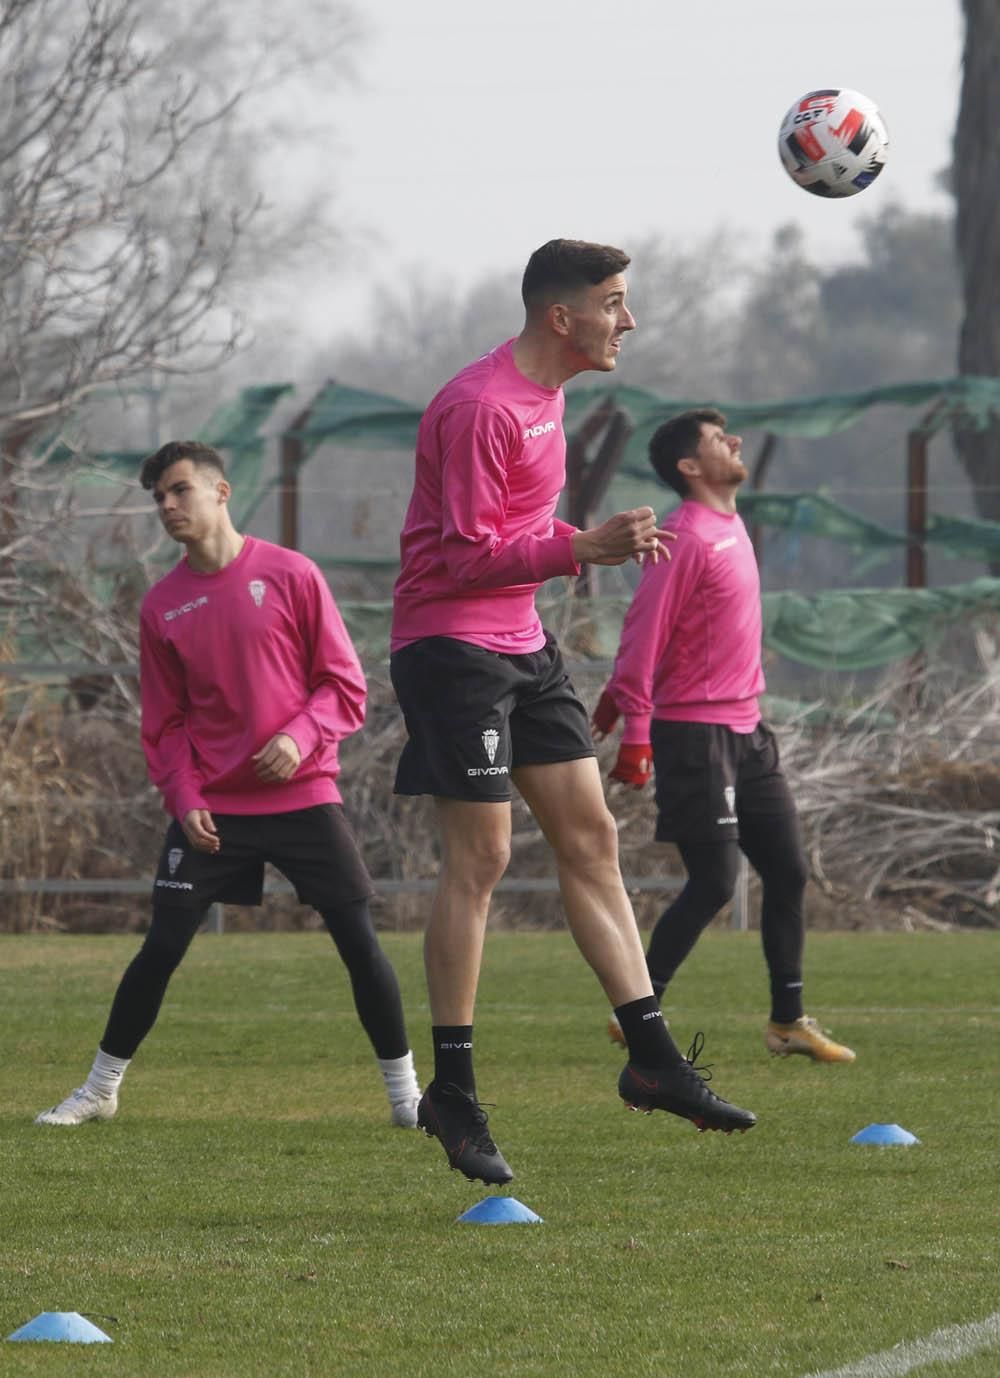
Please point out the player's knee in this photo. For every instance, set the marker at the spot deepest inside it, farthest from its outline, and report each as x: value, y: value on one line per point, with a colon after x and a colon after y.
x: 590, y: 840
x: 715, y: 892
x: 791, y: 877
x: 478, y: 864
x: 168, y: 939
x: 710, y: 888
x: 160, y: 952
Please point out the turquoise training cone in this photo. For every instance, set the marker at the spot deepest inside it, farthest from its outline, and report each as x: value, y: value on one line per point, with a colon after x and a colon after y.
x: 62, y: 1325
x: 884, y: 1134
x: 499, y: 1210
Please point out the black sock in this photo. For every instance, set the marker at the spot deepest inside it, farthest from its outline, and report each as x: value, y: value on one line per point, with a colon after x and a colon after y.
x: 453, y: 1056
x: 786, y: 999
x: 649, y: 1043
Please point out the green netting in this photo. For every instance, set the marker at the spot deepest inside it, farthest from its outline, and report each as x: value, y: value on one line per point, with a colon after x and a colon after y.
x: 817, y: 515
x: 366, y: 420
x: 376, y: 421
x: 235, y: 427
x: 812, y: 514
x: 108, y: 466
x: 968, y: 400
x: 373, y: 420
x: 844, y: 629
x: 966, y: 537
x: 856, y: 629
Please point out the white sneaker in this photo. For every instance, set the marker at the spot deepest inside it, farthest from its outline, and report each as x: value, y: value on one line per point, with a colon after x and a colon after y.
x: 404, y: 1112
x: 84, y: 1104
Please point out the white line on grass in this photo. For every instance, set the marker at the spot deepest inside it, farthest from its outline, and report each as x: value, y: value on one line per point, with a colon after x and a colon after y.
x: 953, y: 1342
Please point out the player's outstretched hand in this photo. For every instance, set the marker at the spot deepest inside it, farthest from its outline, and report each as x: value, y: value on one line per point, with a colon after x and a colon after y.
x: 604, y: 717
x: 634, y: 765
x: 199, y: 829
x: 625, y: 536
x: 277, y: 759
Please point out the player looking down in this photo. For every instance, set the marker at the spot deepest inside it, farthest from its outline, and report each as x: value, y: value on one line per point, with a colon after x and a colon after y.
x: 248, y: 683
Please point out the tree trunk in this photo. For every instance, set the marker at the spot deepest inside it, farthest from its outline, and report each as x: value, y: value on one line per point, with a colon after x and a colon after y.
x: 977, y: 177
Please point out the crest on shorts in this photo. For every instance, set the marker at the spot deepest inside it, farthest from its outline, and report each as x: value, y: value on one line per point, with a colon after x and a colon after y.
x: 730, y: 795
x: 257, y: 589
x: 174, y: 858
x: 491, y: 740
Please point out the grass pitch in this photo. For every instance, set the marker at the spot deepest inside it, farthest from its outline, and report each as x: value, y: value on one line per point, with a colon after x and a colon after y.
x: 250, y: 1212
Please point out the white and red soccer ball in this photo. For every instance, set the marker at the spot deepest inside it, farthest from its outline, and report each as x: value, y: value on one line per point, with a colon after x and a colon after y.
x: 833, y: 142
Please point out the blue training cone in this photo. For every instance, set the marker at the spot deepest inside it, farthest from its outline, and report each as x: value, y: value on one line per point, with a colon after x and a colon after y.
x: 62, y: 1325
x: 499, y: 1210
x: 884, y: 1134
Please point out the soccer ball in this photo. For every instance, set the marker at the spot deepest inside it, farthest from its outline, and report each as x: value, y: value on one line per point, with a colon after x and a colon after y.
x: 833, y: 142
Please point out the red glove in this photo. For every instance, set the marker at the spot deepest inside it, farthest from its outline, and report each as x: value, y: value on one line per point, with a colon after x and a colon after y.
x: 634, y: 765
x: 605, y: 714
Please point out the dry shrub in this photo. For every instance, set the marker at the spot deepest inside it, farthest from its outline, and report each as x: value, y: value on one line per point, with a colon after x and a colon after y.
x: 899, y: 796
x: 74, y: 804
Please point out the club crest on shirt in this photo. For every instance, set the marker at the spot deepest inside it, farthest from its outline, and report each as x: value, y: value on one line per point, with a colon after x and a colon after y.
x: 257, y: 589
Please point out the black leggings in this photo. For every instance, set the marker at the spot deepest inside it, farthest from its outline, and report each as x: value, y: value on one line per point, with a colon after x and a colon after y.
x: 772, y: 844
x: 373, y: 980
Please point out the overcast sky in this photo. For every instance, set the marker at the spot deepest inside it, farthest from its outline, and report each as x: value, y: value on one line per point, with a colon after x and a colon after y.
x: 479, y: 131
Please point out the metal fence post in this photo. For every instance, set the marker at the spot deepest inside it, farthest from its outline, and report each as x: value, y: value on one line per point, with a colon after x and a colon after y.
x: 214, y: 920
x: 741, y: 897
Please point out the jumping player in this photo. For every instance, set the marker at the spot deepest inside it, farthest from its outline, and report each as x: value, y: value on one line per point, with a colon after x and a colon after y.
x: 686, y: 679
x: 488, y: 703
x: 248, y: 682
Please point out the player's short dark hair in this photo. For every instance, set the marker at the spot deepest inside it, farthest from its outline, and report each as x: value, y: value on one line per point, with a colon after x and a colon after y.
x: 201, y: 456
x: 564, y: 266
x: 677, y: 439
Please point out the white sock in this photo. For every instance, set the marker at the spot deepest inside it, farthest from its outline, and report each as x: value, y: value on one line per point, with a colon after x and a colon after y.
x: 105, y: 1076
x: 400, y: 1077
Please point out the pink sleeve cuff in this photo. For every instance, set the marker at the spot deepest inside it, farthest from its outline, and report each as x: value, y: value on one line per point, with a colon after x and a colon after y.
x: 304, y: 733
x: 184, y: 801
x: 637, y: 728
x: 557, y: 556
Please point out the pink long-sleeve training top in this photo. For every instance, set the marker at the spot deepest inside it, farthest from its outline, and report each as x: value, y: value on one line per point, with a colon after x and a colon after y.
x: 691, y: 642
x: 229, y: 659
x: 481, y: 534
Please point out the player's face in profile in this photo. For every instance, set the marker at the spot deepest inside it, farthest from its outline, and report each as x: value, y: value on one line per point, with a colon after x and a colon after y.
x: 598, y: 318
x: 719, y: 456
x: 189, y: 500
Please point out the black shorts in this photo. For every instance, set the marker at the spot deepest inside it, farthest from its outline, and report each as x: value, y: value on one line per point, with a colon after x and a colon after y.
x: 314, y: 848
x: 708, y: 776
x: 474, y: 716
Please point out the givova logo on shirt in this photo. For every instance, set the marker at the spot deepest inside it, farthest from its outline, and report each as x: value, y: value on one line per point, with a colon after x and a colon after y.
x: 491, y: 741
x: 543, y: 428
x: 186, y: 607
